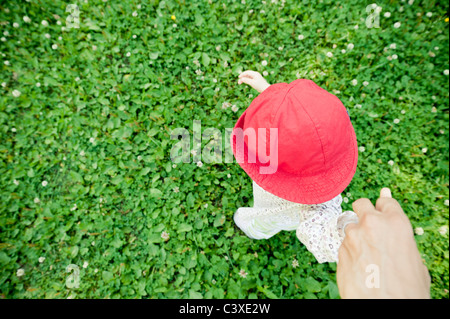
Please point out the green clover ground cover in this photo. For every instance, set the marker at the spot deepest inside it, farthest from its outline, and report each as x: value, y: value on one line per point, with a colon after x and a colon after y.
x: 85, y: 121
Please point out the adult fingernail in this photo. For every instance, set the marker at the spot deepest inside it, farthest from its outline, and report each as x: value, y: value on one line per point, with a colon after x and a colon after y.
x: 385, y: 192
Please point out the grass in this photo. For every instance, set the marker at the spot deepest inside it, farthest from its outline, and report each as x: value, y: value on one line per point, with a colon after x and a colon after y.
x: 97, y: 129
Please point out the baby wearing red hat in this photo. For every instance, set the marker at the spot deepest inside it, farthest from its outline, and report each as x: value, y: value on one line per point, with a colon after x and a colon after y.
x: 297, y: 144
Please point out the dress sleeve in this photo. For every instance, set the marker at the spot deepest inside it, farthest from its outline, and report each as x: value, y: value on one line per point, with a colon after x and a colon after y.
x: 322, y: 229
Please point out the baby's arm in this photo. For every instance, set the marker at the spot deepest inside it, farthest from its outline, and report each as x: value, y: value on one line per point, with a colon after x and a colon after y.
x: 254, y: 79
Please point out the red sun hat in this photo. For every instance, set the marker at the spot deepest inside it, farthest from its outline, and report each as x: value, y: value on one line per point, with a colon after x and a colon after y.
x: 315, y: 149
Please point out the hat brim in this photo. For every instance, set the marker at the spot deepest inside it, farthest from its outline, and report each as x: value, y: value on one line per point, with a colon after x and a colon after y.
x: 314, y: 189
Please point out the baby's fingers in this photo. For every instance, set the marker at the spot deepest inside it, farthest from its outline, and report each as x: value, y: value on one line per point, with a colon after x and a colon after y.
x: 249, y: 74
x: 246, y: 80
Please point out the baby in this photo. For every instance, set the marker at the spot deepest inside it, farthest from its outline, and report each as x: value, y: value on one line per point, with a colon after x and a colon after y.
x: 315, y: 159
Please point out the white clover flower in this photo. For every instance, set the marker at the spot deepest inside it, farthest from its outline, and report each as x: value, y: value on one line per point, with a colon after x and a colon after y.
x: 41, y: 259
x: 429, y: 14
x: 176, y: 189
x: 16, y: 182
x: 295, y: 263
x: 356, y: 27
x: 128, y: 54
x: 174, y: 25
x: 264, y: 63
x: 403, y: 111
x: 433, y: 109
x: 165, y: 235
x: 20, y: 272
x: 410, y: 2
x: 54, y: 46
x: 85, y: 264
x: 396, y: 121
x: 391, y: 162
x: 424, y: 150
x: 92, y: 140
x: 139, y: 6
x: 393, y: 46
x: 350, y: 46
x: 135, y: 14
x: 446, y: 72
x: 16, y: 93
x: 77, y: 79
x: 6, y: 33
x: 280, y: 48
x: 354, y: 82
x: 174, y: 165
x: 436, y: 48
x: 358, y: 106
x: 26, y: 19
x: 361, y: 149
x: 443, y: 230
x: 419, y: 231
x: 394, y: 56
x: 82, y: 153
x: 94, y: 47
x: 329, y: 54
x: 38, y: 84
x: 365, y: 83
x: 199, y: 164
x: 37, y: 200
x: 7, y: 62
x: 301, y: 37
x: 3, y: 84
x: 446, y: 202
x: 13, y: 130
x: 15, y: 25
x: 345, y: 199
x: 387, y: 14
x: 234, y: 108
x: 44, y: 183
x: 265, y: 73
x: 44, y: 23
x: 242, y: 273
x: 139, y: 158
x: 58, y: 22
x: 134, y: 36
x: 389, y: 58
x: 228, y: 175
x: 397, y: 25
x: 3, y: 39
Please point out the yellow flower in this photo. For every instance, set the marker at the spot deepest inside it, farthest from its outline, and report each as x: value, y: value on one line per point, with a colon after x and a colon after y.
x: 446, y: 20
x: 173, y: 18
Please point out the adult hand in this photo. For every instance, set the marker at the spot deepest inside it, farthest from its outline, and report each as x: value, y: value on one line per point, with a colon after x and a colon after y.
x: 254, y: 79
x: 379, y: 257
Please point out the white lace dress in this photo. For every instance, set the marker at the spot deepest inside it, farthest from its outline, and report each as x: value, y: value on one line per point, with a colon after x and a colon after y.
x: 319, y: 227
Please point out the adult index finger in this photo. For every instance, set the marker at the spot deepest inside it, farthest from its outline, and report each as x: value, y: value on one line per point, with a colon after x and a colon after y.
x: 362, y: 206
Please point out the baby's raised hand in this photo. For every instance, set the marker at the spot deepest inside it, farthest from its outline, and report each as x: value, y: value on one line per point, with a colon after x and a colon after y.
x: 254, y: 79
